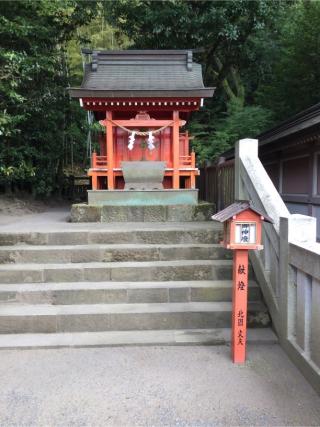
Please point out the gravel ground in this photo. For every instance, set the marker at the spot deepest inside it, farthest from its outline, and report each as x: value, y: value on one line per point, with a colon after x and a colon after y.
x: 154, y: 386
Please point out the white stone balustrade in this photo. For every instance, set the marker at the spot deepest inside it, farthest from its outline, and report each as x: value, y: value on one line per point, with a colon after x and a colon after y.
x: 288, y: 269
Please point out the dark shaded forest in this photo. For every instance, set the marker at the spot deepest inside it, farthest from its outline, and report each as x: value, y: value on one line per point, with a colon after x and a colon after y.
x: 263, y: 57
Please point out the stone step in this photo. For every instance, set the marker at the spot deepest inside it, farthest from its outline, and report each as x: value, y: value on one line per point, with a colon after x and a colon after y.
x: 151, y: 233
x: 118, y: 271
x: 121, y: 292
x: 110, y: 252
x: 131, y: 338
x: 43, y: 318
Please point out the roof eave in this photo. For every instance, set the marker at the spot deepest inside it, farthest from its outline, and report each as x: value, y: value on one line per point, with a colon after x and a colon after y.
x: 303, y: 120
x: 236, y: 208
x: 89, y: 51
x: 183, y: 93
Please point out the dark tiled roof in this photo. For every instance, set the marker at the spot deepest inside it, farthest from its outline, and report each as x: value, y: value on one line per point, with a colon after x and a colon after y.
x: 142, y: 73
x: 301, y: 121
x: 235, y: 209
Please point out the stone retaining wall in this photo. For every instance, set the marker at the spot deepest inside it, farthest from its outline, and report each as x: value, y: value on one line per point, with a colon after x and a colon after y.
x: 171, y: 213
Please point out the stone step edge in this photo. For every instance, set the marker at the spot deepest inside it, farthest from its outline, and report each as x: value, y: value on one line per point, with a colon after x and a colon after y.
x: 114, y: 264
x: 17, y: 310
x: 93, y: 246
x: 76, y: 286
x: 132, y: 338
x: 58, y: 227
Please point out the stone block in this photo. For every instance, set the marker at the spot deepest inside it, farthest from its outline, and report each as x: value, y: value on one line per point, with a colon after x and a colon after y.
x: 218, y: 252
x: 83, y: 322
x: 78, y: 255
x: 131, y: 254
x: 85, y: 213
x: 68, y: 238
x: 135, y: 213
x: 133, y: 274
x: 145, y: 321
x: 63, y: 274
x: 205, y: 237
x: 155, y: 213
x: 188, y: 253
x: 27, y: 324
x: 180, y: 213
x: 109, y: 237
x: 147, y: 295
x: 158, y: 236
x: 115, y: 296
x: 114, y: 214
x: 211, y: 294
x: 179, y: 294
x: 175, y: 253
x: 203, y: 212
x: 9, y: 257
x: 9, y: 239
x: 8, y: 296
x: 221, y: 272
x: 184, y: 272
x: 35, y: 297
x: 45, y: 255
x: 21, y: 276
x: 96, y: 274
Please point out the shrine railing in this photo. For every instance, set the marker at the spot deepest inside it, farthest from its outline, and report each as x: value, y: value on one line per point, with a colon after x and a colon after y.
x: 99, y: 162
x: 288, y: 268
x: 188, y: 161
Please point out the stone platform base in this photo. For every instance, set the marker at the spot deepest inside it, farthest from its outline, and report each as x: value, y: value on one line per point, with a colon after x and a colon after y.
x: 142, y: 213
x: 142, y: 197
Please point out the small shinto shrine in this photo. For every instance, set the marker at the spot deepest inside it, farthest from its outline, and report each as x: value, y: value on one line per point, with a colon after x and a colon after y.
x: 142, y: 99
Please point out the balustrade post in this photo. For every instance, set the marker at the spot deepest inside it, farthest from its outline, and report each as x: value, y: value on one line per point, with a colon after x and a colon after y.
x: 283, y: 282
x: 94, y: 160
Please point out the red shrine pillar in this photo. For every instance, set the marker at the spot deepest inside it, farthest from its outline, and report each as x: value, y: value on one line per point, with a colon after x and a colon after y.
x: 110, y: 154
x: 176, y: 154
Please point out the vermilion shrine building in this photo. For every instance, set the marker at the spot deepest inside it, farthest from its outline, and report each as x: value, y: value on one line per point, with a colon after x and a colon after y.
x: 144, y: 97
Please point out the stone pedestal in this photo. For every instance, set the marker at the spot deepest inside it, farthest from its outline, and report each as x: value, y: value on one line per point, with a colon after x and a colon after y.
x: 142, y: 213
x: 143, y: 175
x: 142, y: 197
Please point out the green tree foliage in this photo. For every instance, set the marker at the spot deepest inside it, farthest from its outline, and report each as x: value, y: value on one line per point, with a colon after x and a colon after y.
x: 214, y: 136
x: 224, y: 30
x: 98, y: 34
x: 261, y: 55
x: 292, y: 83
x: 36, y: 117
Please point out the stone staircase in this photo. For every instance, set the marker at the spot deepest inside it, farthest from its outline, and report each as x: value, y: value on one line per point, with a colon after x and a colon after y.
x: 112, y: 284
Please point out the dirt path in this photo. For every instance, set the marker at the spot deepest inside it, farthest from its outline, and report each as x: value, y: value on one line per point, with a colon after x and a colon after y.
x: 154, y: 386
x: 16, y: 209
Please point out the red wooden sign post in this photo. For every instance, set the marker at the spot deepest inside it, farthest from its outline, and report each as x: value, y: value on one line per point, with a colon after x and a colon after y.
x: 239, y: 302
x: 242, y: 232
